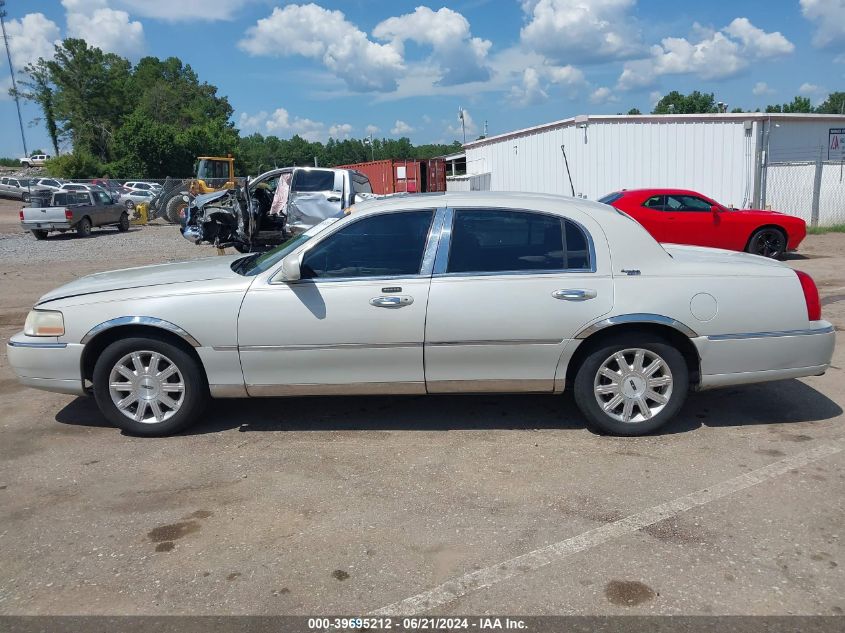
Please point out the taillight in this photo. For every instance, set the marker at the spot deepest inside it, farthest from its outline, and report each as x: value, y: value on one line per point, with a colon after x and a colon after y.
x: 21, y: 215
x: 68, y: 214
x: 811, y: 296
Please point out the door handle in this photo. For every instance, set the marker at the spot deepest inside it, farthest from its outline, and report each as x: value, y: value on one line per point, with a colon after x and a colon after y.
x: 574, y: 294
x: 395, y: 301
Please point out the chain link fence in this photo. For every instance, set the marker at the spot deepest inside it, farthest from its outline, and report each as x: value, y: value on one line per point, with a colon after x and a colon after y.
x: 811, y: 190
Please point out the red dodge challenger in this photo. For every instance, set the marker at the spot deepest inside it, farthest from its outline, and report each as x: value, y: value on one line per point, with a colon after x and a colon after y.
x: 680, y: 216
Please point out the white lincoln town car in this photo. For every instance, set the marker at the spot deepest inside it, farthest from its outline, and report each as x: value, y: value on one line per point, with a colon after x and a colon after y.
x: 438, y: 293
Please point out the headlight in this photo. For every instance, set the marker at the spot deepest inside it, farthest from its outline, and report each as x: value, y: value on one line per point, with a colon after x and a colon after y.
x: 44, y: 323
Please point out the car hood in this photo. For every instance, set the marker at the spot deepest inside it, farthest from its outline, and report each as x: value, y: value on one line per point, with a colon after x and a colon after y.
x: 144, y: 276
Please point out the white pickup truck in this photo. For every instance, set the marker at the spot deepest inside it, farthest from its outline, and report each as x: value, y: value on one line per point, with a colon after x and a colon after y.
x: 78, y: 211
x: 36, y: 160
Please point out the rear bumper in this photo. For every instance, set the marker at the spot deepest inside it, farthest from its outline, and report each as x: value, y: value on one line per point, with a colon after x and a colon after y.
x: 45, y: 226
x: 735, y: 359
x: 46, y: 364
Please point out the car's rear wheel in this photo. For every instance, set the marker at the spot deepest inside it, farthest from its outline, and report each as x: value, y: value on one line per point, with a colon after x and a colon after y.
x: 768, y: 242
x: 631, y: 385
x: 149, y: 387
x: 123, y: 224
x: 83, y: 227
x: 39, y: 234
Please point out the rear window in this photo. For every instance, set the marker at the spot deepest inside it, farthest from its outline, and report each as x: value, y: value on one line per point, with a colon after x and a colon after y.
x: 314, y: 180
x: 611, y: 197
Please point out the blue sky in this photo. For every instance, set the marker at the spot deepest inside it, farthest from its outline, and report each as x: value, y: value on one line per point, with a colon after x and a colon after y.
x: 354, y: 67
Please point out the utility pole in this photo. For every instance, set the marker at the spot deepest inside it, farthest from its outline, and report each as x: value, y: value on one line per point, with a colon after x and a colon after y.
x: 463, y: 123
x: 12, y: 72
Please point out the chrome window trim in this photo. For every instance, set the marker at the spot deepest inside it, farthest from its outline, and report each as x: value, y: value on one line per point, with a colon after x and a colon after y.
x: 140, y: 320
x: 37, y: 345
x: 442, y: 260
x: 634, y: 318
x: 432, y: 241
x: 309, y: 246
x: 774, y: 334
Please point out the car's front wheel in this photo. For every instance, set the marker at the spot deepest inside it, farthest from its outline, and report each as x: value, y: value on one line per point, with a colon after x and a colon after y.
x: 768, y: 242
x: 123, y: 224
x: 631, y: 385
x: 149, y: 387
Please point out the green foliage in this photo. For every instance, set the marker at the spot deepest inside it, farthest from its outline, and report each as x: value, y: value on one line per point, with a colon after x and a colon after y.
x: 634, y: 111
x: 10, y: 162
x: 694, y: 103
x: 799, y: 104
x: 834, y: 104
x: 76, y: 165
x: 821, y: 230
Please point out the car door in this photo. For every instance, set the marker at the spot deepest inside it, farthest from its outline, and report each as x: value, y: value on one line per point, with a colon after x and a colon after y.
x: 651, y: 213
x: 510, y: 288
x: 693, y: 221
x: 354, y: 323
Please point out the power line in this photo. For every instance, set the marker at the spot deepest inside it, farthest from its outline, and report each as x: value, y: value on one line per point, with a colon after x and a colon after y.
x: 12, y: 72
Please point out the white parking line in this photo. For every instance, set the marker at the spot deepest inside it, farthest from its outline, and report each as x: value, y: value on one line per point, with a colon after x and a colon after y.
x: 489, y: 576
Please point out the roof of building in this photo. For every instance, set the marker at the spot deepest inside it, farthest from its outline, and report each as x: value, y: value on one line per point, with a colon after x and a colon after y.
x: 582, y: 119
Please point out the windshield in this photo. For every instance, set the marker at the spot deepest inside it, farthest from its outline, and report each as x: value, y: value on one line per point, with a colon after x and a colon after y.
x: 257, y: 263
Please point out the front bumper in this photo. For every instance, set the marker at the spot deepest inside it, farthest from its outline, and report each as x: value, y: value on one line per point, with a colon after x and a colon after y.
x: 46, y: 363
x: 734, y: 359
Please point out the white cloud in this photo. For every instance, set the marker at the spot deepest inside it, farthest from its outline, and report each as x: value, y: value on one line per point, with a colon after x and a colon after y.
x: 5, y: 87
x: 716, y: 54
x: 760, y: 43
x: 459, y: 56
x: 400, y: 127
x: 105, y: 28
x: 340, y: 131
x: 372, y: 129
x: 182, y: 10
x: 281, y: 123
x: 603, y: 94
x: 761, y: 88
x: 810, y: 90
x: 312, y: 31
x: 574, y: 31
x: 31, y: 37
x: 829, y: 18
x: 536, y: 82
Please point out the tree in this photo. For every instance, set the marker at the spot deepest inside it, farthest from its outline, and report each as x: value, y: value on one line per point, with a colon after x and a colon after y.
x: 39, y: 89
x: 799, y: 104
x: 694, y: 103
x: 634, y: 111
x: 834, y: 104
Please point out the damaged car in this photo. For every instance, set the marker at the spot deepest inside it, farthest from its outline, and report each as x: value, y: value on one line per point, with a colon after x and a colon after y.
x: 272, y: 207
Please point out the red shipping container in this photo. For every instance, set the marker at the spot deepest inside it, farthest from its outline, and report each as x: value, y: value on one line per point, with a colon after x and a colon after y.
x: 399, y: 176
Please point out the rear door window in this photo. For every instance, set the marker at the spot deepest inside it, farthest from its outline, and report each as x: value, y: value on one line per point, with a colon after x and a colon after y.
x: 492, y: 241
x: 658, y: 203
x: 383, y: 245
x: 314, y: 180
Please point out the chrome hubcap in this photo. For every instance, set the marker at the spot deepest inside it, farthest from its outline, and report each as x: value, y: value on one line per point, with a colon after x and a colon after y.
x: 633, y: 385
x: 146, y: 387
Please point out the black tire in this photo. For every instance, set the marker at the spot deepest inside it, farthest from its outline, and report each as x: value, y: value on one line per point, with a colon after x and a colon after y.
x: 587, y: 378
x: 39, y: 234
x: 768, y: 241
x: 123, y: 225
x: 174, y: 205
x: 83, y: 227
x: 194, y: 396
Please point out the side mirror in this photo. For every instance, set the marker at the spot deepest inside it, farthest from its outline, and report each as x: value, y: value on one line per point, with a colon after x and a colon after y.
x: 291, y: 268
x: 715, y: 208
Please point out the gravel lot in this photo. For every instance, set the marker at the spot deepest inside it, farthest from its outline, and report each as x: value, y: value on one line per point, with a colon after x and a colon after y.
x: 350, y: 505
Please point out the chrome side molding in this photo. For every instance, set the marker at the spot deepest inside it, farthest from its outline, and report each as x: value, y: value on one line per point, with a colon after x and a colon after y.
x: 140, y: 320
x: 806, y: 332
x: 638, y: 317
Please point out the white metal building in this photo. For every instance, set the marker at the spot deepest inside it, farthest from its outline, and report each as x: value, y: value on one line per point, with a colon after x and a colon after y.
x: 721, y: 155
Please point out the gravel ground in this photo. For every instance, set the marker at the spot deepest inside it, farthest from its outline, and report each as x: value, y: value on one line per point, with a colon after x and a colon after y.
x: 348, y: 505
